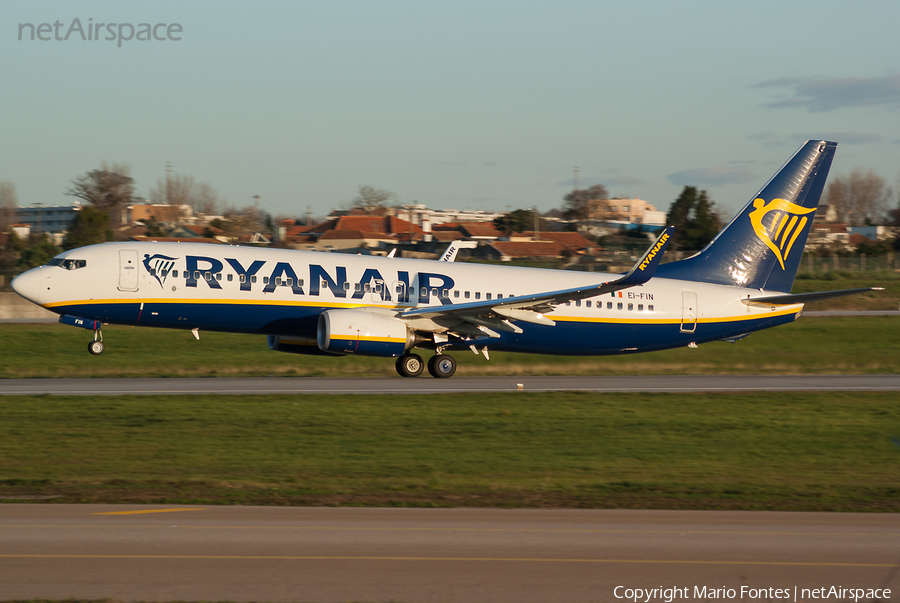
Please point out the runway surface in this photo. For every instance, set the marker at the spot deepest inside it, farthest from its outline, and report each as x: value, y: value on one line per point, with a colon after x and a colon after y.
x: 428, y: 385
x: 164, y: 553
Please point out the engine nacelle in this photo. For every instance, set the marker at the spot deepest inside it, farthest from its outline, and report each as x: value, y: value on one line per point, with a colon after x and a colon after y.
x: 296, y: 345
x: 363, y: 332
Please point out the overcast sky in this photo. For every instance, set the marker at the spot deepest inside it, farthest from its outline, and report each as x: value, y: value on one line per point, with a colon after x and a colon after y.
x: 487, y: 104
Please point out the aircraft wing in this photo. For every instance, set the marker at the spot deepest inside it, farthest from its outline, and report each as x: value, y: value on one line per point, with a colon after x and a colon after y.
x: 530, y: 308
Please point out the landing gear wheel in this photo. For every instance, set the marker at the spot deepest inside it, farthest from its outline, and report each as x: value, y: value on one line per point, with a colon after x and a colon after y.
x: 410, y: 365
x: 95, y: 347
x: 442, y: 366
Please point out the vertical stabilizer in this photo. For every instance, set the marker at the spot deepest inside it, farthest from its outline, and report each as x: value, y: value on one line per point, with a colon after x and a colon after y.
x: 762, y: 246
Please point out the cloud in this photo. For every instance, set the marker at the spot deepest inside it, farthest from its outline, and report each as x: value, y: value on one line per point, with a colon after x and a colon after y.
x: 713, y: 175
x: 818, y: 94
x: 772, y: 139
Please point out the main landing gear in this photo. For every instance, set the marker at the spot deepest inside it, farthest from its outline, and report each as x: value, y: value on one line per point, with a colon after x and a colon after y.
x: 96, y: 346
x: 439, y: 365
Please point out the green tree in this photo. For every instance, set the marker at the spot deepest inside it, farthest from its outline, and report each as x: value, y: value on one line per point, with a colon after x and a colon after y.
x: 520, y: 220
x: 695, y: 219
x: 90, y: 226
x: 38, y: 251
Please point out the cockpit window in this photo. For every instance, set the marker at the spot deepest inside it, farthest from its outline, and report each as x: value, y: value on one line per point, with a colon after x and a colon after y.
x: 68, y: 264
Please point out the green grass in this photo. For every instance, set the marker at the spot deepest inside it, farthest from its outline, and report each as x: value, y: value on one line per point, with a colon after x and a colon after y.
x: 814, y: 451
x: 810, y: 345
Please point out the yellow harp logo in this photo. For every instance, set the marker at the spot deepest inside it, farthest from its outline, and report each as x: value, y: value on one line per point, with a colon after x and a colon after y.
x: 783, y: 229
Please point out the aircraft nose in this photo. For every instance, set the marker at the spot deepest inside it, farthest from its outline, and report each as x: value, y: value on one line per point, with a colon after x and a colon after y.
x: 28, y: 285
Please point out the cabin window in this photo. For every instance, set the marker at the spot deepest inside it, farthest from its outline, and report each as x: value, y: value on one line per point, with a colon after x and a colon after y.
x: 445, y: 294
x: 153, y: 272
x: 347, y: 285
x: 266, y: 281
x: 468, y: 294
x: 252, y: 278
x: 456, y: 293
x: 487, y: 296
x: 568, y: 303
x: 207, y: 276
x: 196, y: 275
x: 324, y: 284
x: 424, y: 292
x: 578, y: 303
x: 650, y: 308
x: 218, y: 276
x: 630, y: 307
x: 378, y: 287
x: 367, y: 287
x: 434, y: 291
x: 619, y: 306
x: 289, y: 282
x: 230, y: 277
x: 278, y: 280
x: 587, y: 303
x: 478, y: 295
x: 640, y: 307
x: 400, y: 289
x: 300, y: 282
x: 243, y: 278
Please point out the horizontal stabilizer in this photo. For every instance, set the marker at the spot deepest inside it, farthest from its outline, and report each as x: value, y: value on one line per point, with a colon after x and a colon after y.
x: 802, y: 298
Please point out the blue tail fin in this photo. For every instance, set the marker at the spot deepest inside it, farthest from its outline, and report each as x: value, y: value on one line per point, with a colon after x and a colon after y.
x: 762, y: 246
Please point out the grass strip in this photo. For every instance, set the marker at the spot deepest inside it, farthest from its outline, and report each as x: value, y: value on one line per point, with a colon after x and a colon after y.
x: 784, y: 451
x: 850, y: 345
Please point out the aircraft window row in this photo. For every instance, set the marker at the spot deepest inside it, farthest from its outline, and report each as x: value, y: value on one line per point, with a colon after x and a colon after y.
x: 609, y: 305
x: 67, y: 264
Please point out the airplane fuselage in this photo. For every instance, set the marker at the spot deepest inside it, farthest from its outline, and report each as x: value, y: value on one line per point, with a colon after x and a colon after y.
x: 283, y: 293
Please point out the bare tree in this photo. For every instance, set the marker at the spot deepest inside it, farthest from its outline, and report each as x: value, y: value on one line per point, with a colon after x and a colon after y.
x: 109, y: 189
x: 373, y: 200
x: 8, y: 204
x: 180, y: 189
x: 860, y: 198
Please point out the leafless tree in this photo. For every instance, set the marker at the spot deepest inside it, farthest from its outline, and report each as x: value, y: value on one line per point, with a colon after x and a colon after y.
x: 373, y: 200
x: 180, y: 189
x: 860, y: 198
x: 8, y: 204
x: 109, y: 189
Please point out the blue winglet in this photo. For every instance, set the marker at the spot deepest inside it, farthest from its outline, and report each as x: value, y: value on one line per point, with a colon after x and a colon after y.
x: 646, y: 267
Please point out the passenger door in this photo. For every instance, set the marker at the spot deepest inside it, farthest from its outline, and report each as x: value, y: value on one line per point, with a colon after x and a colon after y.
x: 128, y: 270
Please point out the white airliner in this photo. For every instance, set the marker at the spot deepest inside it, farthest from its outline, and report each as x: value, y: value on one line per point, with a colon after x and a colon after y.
x: 322, y: 303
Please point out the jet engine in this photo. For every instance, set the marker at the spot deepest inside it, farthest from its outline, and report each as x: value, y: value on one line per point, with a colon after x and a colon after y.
x: 363, y: 332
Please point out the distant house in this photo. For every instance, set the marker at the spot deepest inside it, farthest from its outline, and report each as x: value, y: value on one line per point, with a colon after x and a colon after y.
x: 352, y: 239
x: 574, y: 240
x: 473, y: 231
x: 513, y: 250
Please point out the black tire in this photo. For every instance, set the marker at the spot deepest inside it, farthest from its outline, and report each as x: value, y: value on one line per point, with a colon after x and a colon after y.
x: 410, y: 365
x: 95, y: 347
x: 442, y: 367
